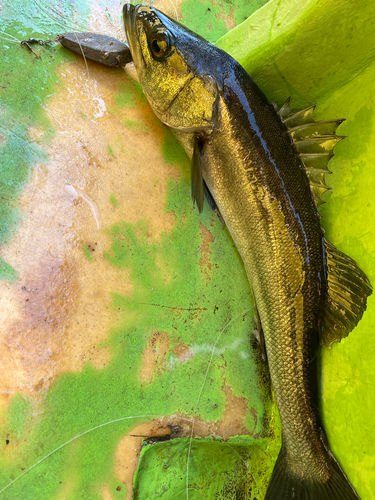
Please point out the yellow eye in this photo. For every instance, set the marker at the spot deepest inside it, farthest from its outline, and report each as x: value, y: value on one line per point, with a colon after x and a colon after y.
x: 159, y: 44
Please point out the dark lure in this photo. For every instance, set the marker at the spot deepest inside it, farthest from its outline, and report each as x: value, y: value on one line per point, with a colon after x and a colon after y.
x: 265, y: 170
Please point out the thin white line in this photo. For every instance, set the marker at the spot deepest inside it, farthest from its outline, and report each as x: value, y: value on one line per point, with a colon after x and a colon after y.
x: 70, y: 440
x: 199, y: 398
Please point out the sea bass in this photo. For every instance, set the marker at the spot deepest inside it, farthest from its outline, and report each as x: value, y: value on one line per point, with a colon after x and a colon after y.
x: 263, y: 171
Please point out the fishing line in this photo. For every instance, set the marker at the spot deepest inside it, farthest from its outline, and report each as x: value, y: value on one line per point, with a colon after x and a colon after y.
x: 8, y: 40
x: 11, y: 38
x: 48, y: 14
x: 200, y: 395
x: 82, y: 434
x: 175, y: 10
x: 58, y: 17
x: 70, y: 441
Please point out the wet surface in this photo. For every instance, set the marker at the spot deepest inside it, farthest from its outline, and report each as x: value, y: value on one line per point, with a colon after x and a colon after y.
x: 120, y: 290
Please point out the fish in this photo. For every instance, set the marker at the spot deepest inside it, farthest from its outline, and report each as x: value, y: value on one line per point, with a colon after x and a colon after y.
x: 262, y: 169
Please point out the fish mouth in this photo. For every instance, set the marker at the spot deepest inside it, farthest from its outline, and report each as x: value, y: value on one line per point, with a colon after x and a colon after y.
x: 130, y: 24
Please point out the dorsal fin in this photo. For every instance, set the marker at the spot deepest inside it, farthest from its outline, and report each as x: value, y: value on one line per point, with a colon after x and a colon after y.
x: 314, y: 129
x: 301, y: 117
x: 314, y: 142
x: 318, y: 145
x: 348, y: 289
x: 347, y: 286
x: 285, y: 109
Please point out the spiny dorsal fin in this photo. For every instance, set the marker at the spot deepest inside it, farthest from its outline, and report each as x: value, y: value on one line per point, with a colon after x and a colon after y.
x: 317, y: 191
x: 315, y: 145
x: 285, y: 109
x: 314, y: 142
x: 316, y: 176
x: 348, y: 289
x: 301, y: 117
x: 317, y: 161
x: 314, y: 129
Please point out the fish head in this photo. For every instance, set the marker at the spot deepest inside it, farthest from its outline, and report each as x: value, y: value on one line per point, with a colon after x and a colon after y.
x: 170, y: 63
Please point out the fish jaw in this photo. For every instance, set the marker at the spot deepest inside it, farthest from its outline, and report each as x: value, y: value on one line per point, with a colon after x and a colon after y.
x: 130, y: 25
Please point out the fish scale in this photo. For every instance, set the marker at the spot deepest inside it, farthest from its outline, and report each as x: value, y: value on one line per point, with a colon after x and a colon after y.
x: 264, y: 171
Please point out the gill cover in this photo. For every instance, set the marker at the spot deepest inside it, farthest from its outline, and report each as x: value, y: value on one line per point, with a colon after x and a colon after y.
x: 182, y: 96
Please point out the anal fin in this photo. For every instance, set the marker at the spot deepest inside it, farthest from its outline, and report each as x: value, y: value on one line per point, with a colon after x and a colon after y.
x: 347, y: 290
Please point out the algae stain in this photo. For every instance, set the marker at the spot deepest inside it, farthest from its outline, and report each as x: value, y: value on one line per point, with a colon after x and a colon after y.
x: 202, y: 17
x: 22, y: 108
x: 7, y: 272
x: 134, y: 125
x: 87, y: 253
x: 115, y: 202
x: 172, y: 151
x: 129, y: 94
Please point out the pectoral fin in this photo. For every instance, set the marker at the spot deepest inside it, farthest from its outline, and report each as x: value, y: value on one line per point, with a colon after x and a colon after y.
x: 212, y: 203
x: 260, y: 336
x: 348, y: 289
x: 197, y: 188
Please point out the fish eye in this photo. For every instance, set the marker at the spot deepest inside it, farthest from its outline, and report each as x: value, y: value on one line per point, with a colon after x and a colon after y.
x: 160, y: 44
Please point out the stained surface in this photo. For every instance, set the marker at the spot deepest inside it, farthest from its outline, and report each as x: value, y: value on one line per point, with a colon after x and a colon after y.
x: 116, y: 291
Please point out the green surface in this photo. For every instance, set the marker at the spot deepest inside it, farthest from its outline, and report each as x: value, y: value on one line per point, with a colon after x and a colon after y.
x: 219, y: 470
x: 115, y: 202
x: 314, y: 51
x: 21, y: 107
x: 213, y: 19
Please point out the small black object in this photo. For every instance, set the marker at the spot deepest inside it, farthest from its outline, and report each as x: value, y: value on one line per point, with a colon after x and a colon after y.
x: 32, y: 41
x: 102, y: 49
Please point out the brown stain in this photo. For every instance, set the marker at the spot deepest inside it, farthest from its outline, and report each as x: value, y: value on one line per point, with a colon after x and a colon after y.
x: 205, y: 252
x: 228, y: 19
x: 182, y: 352
x: 106, y: 493
x: 59, y: 310
x: 154, y: 357
x: 46, y: 301
x: 171, y: 7
x: 129, y: 449
x: 36, y: 134
x: 231, y: 424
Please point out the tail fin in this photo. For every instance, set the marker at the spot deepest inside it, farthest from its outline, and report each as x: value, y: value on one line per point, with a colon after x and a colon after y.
x: 286, y: 485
